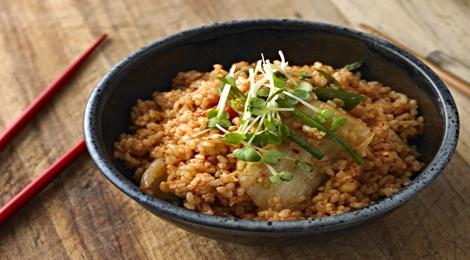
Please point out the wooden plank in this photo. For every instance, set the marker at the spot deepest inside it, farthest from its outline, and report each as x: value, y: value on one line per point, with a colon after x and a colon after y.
x: 82, y: 215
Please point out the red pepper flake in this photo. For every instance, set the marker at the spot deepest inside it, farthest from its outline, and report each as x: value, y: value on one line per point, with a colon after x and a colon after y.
x: 295, y: 151
x: 387, y: 155
x: 409, y: 165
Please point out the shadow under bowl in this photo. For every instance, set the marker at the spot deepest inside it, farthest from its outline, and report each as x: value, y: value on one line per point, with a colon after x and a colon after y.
x: 152, y: 68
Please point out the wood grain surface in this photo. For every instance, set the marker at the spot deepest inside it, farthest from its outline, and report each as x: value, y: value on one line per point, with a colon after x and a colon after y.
x: 83, y: 216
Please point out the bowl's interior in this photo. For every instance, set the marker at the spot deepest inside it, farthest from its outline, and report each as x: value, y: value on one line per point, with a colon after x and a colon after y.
x: 152, y: 68
x: 155, y: 70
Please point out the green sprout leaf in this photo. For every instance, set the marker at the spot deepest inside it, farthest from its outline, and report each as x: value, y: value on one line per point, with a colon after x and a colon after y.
x: 272, y: 157
x: 276, y: 179
x: 212, y: 113
x: 284, y: 131
x: 227, y: 80
x: 256, y: 140
x: 234, y: 138
x: 298, y: 92
x: 330, y: 79
x: 337, y: 123
x: 305, y: 86
x: 279, y: 82
x: 286, y: 176
x: 223, y: 122
x: 256, y: 106
x: 263, y: 93
x: 306, y: 167
x: 276, y: 122
x: 269, y: 138
x: 291, y: 100
x: 302, y: 94
x: 279, y: 91
x: 215, y: 120
x: 328, y: 114
x: 320, y: 119
x: 247, y: 154
x: 268, y: 126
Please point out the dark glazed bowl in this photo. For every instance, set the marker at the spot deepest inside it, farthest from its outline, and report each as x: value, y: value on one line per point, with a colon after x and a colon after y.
x: 152, y: 68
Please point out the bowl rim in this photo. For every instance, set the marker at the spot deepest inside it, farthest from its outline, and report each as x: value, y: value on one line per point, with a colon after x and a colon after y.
x: 438, y: 163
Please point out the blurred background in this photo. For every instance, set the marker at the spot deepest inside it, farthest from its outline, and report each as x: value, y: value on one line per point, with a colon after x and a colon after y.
x: 81, y: 215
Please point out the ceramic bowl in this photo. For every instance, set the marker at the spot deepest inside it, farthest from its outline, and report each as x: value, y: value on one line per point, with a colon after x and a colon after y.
x: 151, y: 68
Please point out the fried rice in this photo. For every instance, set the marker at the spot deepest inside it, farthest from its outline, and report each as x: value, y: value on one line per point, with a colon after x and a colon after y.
x: 200, y: 172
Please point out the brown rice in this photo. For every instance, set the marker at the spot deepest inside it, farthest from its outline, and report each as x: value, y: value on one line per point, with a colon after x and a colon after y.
x: 202, y: 170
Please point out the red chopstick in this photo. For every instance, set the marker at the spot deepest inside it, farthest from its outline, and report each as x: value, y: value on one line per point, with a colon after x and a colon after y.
x: 33, y: 189
x: 31, y: 111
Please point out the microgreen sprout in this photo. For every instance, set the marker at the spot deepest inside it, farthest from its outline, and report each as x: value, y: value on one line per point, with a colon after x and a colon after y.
x: 261, y: 124
x: 234, y: 138
x: 247, y: 154
x: 300, y: 93
x: 281, y: 70
x: 306, y: 167
x: 263, y: 93
x: 219, y: 116
x: 279, y: 177
x: 337, y: 123
x: 272, y: 157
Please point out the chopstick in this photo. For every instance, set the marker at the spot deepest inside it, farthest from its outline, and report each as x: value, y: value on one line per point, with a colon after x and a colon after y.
x: 35, y: 187
x: 32, y: 190
x: 444, y: 75
x: 33, y: 109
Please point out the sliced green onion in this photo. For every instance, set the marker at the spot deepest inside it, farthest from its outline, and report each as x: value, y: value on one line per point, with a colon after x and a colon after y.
x: 306, y: 146
x: 350, y: 100
x: 235, y: 98
x: 353, y: 66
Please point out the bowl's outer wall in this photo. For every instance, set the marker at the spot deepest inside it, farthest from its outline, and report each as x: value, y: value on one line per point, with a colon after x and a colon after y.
x: 153, y: 67
x: 250, y: 238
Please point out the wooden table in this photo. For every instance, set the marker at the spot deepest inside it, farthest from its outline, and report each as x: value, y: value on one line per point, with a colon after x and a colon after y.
x: 83, y: 216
